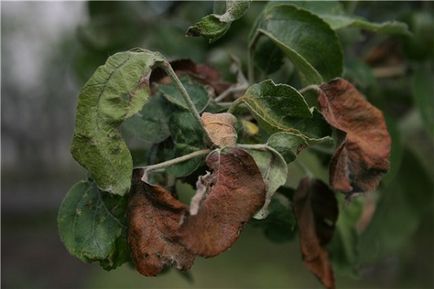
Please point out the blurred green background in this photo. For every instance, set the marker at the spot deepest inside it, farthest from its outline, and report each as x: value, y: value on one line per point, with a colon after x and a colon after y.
x: 49, y: 49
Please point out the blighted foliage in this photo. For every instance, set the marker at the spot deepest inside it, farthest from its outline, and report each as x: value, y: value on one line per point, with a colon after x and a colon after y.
x: 235, y: 192
x: 154, y: 214
x: 316, y: 210
x: 238, y: 154
x: 363, y: 155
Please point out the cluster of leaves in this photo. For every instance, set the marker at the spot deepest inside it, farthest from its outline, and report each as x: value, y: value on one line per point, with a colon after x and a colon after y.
x: 142, y: 120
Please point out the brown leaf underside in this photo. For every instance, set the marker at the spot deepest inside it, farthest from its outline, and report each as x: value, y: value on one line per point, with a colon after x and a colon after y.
x: 316, y: 210
x: 154, y: 216
x: 201, y: 72
x: 237, y: 194
x: 363, y: 156
x: 161, y: 231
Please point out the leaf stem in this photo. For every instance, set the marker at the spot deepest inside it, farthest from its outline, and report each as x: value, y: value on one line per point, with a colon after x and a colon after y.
x: 169, y: 70
x: 165, y: 164
x: 253, y: 146
x: 226, y: 104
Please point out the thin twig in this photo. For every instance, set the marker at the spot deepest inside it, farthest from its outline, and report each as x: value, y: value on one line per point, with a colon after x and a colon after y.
x: 165, y: 164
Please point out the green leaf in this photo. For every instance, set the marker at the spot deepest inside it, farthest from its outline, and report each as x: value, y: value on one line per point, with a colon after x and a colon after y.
x: 280, y: 107
x: 197, y: 92
x: 343, y: 247
x: 91, y: 225
x: 309, y: 42
x: 214, y: 26
x: 290, y: 144
x: 116, y: 91
x: 333, y: 13
x: 187, y: 136
x: 268, y: 57
x: 150, y: 124
x: 423, y: 92
x: 274, y: 172
x: 420, y: 47
x: 341, y: 21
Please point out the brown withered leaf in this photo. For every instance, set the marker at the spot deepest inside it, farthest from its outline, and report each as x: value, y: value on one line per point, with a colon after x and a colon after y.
x: 220, y: 128
x: 363, y: 156
x: 154, y: 215
x: 316, y: 209
x: 236, y: 193
x: 201, y: 72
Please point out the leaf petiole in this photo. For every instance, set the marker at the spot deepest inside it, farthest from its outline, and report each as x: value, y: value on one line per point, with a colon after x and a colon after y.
x: 253, y: 146
x: 165, y: 164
